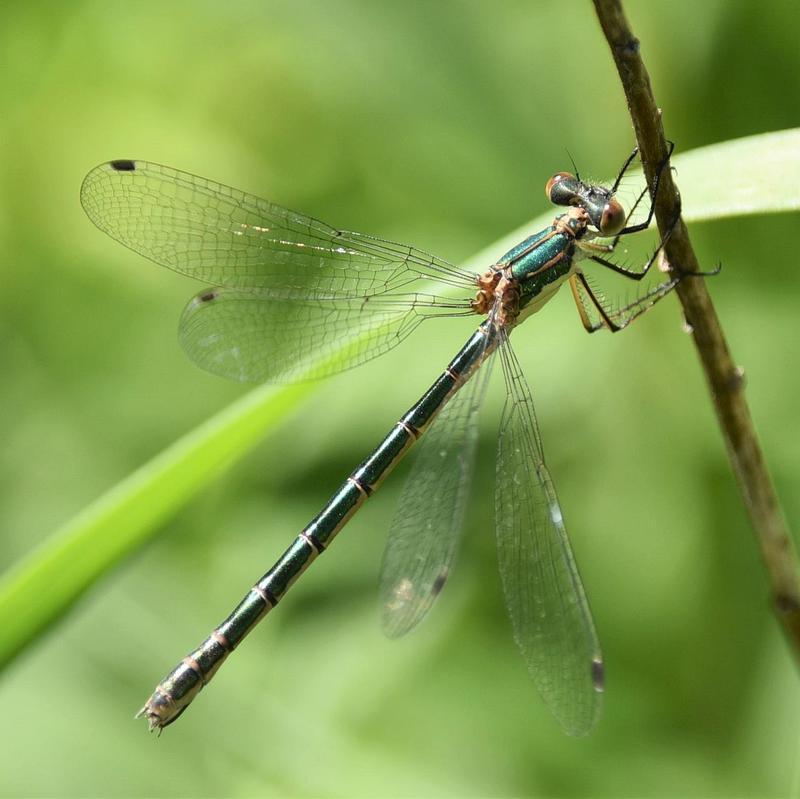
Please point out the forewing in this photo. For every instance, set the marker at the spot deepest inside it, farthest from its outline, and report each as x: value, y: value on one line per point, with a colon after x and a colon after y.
x: 549, y: 611
x: 226, y: 237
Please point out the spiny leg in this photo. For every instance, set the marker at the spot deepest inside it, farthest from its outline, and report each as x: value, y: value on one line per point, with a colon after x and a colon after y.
x: 640, y: 273
x: 628, y: 229
x: 620, y: 174
x: 615, y: 319
x: 631, y: 274
x: 624, y: 169
x: 593, y: 248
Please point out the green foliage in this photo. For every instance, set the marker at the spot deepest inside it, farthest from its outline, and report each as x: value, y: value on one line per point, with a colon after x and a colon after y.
x: 434, y: 124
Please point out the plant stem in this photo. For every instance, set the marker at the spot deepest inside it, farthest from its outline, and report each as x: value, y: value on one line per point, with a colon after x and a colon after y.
x: 725, y: 379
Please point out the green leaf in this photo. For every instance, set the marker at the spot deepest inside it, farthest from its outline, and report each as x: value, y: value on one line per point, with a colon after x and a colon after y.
x: 41, y: 587
x: 755, y: 175
x: 758, y: 174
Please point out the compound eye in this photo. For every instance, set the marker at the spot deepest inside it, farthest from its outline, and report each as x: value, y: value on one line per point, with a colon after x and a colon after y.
x: 555, y: 192
x: 612, y: 219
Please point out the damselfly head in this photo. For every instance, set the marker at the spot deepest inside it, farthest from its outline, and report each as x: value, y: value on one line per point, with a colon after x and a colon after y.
x: 604, y: 209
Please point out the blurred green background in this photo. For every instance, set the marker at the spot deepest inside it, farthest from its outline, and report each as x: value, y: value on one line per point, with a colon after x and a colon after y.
x: 435, y: 123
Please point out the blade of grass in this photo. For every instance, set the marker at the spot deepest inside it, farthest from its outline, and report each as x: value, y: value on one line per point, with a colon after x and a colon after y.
x: 44, y: 584
x: 725, y: 179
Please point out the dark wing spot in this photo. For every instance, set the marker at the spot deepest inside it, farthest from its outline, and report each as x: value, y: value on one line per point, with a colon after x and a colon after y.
x: 123, y: 165
x: 598, y: 674
x: 438, y: 583
x: 209, y: 296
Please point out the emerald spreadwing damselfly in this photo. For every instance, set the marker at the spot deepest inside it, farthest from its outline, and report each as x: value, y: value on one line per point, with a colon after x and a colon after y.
x: 290, y: 297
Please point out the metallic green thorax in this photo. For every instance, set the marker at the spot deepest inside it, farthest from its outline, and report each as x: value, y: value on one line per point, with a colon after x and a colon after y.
x: 546, y: 256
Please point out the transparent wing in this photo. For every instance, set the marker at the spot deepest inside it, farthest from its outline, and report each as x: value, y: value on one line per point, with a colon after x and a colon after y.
x: 226, y: 237
x: 250, y: 335
x: 424, y: 536
x: 548, y: 607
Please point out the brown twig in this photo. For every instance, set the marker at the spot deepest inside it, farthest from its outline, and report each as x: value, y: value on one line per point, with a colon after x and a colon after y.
x: 725, y: 379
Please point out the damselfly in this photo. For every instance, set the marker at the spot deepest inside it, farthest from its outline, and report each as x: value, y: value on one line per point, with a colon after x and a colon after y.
x: 293, y: 298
